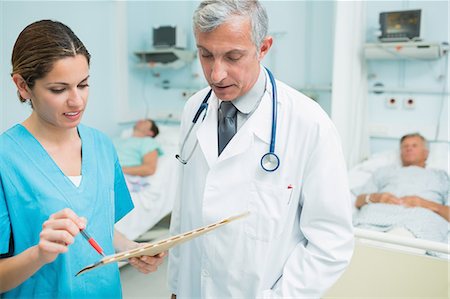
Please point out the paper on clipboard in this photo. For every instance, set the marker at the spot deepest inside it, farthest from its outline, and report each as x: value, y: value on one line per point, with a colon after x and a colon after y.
x: 152, y: 249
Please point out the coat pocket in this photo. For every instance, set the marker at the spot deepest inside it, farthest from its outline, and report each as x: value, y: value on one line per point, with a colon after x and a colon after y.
x: 268, y: 206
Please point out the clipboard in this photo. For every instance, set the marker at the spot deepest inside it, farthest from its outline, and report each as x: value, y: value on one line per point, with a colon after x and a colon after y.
x: 152, y: 249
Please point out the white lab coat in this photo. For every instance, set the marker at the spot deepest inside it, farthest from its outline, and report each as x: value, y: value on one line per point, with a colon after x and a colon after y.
x: 296, y: 241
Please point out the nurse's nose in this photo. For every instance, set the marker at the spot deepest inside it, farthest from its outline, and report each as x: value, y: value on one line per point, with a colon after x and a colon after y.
x: 218, y: 72
x: 75, y: 98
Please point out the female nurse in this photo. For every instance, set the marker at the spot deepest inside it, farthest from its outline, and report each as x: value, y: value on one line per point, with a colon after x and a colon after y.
x: 55, y: 174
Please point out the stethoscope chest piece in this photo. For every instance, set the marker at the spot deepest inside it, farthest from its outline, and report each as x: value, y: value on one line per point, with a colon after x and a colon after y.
x: 270, y: 162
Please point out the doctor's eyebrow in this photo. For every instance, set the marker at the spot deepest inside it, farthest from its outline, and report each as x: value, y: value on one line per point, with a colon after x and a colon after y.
x: 231, y: 52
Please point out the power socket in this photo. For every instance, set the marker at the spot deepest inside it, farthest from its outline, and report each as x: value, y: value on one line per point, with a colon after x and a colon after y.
x: 391, y: 103
x: 409, y: 103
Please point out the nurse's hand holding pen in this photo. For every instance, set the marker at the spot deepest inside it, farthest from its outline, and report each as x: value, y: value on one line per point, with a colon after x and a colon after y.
x: 58, y: 232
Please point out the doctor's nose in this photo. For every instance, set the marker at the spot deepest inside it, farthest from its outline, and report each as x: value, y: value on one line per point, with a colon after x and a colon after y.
x: 218, y: 72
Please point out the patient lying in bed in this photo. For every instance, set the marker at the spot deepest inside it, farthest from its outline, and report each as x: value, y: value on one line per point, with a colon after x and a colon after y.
x: 138, y: 154
x: 409, y: 196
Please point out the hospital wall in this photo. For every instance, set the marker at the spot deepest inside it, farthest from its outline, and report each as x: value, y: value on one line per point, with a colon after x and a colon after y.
x: 121, y: 92
x: 423, y: 81
x: 300, y: 56
x: 95, y: 23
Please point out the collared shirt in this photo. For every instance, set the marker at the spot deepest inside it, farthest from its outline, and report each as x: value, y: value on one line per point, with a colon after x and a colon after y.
x: 248, y: 103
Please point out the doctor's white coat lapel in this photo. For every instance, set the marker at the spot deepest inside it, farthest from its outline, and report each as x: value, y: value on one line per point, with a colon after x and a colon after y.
x: 207, y: 132
x: 258, y: 124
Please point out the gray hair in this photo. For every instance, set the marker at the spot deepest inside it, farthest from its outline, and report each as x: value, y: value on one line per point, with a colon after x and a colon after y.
x: 210, y: 14
x: 427, y: 145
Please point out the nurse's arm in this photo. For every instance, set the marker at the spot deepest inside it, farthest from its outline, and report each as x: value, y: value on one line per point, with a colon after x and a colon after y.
x: 57, y: 234
x: 15, y: 270
x: 144, y: 264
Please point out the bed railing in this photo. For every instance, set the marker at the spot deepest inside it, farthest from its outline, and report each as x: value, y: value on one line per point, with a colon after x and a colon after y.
x: 404, y: 241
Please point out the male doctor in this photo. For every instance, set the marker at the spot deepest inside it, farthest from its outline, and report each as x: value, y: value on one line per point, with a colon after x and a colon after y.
x: 297, y: 239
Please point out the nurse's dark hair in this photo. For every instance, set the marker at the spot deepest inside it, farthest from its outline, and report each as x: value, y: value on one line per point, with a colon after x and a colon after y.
x: 212, y: 13
x: 39, y: 46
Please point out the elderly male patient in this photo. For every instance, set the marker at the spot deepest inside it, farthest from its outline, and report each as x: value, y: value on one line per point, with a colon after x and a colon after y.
x: 411, y: 196
x: 139, y: 153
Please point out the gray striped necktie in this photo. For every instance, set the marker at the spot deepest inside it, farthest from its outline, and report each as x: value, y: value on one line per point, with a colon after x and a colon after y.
x: 227, y: 124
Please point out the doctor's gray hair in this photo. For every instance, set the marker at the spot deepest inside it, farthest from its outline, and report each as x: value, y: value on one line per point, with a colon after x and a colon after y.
x: 210, y: 14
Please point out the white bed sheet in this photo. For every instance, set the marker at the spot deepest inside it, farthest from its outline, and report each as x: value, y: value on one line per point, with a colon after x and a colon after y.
x: 154, y: 201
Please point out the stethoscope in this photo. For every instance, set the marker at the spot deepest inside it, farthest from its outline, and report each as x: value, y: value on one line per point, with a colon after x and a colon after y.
x: 269, y: 161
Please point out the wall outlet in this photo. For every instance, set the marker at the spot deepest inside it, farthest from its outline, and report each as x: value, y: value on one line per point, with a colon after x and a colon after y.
x: 391, y: 103
x: 409, y: 103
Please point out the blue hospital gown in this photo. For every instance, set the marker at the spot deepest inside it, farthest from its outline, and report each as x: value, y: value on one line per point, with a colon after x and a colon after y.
x: 32, y: 187
x: 430, y: 184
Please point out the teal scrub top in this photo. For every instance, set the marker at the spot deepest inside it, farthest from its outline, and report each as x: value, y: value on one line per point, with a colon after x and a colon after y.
x: 32, y: 187
x: 132, y: 150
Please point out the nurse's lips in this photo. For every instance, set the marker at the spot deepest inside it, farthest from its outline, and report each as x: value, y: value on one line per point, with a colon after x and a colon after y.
x: 72, y: 115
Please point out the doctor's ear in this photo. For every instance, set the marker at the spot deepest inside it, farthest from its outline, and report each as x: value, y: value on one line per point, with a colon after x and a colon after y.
x: 265, y: 47
x: 23, y: 91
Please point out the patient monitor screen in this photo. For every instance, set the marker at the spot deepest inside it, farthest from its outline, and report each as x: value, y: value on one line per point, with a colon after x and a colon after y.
x: 398, y: 24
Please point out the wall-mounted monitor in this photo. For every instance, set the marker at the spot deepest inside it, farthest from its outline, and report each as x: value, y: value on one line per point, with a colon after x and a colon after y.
x: 400, y: 25
x: 169, y: 37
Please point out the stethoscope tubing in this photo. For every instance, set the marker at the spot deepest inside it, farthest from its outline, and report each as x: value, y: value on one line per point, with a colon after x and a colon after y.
x: 274, y: 112
x: 271, y: 153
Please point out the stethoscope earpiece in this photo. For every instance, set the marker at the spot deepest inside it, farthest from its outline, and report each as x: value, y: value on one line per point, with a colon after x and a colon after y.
x: 184, y: 162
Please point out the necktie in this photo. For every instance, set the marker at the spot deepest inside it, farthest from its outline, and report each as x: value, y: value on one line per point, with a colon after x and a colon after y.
x: 227, y: 124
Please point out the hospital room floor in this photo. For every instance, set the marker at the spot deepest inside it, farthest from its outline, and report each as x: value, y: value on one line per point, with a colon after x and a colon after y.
x: 153, y: 285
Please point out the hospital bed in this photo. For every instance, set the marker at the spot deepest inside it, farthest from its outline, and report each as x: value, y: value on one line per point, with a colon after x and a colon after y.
x: 155, y: 199
x: 390, y: 266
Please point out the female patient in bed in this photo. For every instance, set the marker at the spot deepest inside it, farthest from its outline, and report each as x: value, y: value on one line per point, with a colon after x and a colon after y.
x: 138, y: 154
x: 409, y: 196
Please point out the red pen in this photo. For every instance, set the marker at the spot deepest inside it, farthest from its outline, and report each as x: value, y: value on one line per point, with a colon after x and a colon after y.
x: 92, y: 242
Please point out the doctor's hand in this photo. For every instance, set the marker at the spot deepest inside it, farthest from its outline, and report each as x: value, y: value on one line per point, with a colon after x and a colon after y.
x: 58, y: 232
x: 144, y: 264
x: 147, y: 264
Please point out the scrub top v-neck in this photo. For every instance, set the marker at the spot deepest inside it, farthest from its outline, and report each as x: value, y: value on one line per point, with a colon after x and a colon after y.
x: 32, y: 187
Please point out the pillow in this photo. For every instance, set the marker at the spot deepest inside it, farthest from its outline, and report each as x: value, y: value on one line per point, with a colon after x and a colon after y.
x: 438, y: 158
x: 378, y: 160
x: 128, y: 132
x: 168, y: 135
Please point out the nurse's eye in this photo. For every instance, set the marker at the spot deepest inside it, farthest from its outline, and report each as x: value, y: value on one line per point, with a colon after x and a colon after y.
x: 82, y: 86
x: 57, y: 90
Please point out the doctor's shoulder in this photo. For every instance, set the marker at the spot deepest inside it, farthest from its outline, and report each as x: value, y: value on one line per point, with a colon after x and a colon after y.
x: 300, y: 106
x: 193, y: 103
